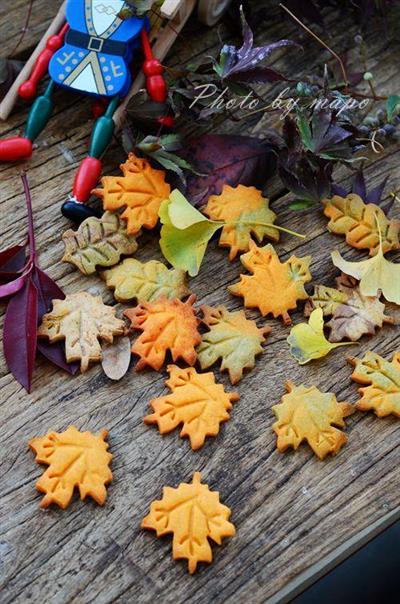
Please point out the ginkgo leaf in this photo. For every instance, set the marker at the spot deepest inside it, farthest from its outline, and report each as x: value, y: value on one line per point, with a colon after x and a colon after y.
x: 275, y: 286
x: 76, y: 460
x: 166, y: 325
x: 353, y: 315
x: 194, y: 515
x: 81, y: 319
x: 307, y: 414
x: 376, y: 275
x: 185, y: 233
x: 98, y: 242
x: 382, y: 378
x: 307, y: 340
x: 232, y: 338
x: 361, y: 223
x: 145, y: 282
x: 141, y: 191
x: 246, y: 213
x: 196, y: 401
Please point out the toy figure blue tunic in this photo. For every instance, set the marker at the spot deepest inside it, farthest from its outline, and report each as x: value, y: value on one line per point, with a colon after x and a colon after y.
x: 91, y: 55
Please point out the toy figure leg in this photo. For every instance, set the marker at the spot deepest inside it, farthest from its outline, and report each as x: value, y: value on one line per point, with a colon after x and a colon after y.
x: 20, y: 147
x: 90, y: 169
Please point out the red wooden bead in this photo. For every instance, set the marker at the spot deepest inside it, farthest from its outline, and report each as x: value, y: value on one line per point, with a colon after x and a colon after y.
x: 15, y: 149
x: 86, y: 179
x: 152, y: 67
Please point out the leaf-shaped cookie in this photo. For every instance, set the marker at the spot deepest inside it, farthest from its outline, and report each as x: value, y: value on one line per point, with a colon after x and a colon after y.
x: 353, y: 315
x: 196, y: 401
x: 141, y: 191
x: 145, y: 282
x: 247, y: 213
x: 382, y: 378
x: 232, y: 338
x: 194, y: 515
x: 166, y: 325
x: 76, y: 460
x: 307, y: 340
x: 81, y: 319
x: 306, y: 413
x: 274, y: 287
x: 98, y: 242
x: 350, y: 216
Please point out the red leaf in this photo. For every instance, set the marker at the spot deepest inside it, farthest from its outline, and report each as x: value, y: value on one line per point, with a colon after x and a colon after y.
x: 12, y: 262
x: 20, y: 329
x: 226, y: 159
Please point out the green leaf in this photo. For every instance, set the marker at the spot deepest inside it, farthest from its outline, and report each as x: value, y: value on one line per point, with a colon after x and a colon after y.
x: 307, y: 340
x: 185, y: 233
x: 302, y: 204
x: 305, y: 132
x: 391, y: 104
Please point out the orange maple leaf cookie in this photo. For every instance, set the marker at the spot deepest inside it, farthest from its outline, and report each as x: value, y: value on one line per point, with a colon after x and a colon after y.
x: 274, y: 286
x: 166, y: 325
x: 382, y: 379
x: 307, y: 414
x: 246, y: 213
x: 141, y: 191
x: 194, y: 515
x: 361, y: 223
x: 196, y: 401
x: 76, y: 460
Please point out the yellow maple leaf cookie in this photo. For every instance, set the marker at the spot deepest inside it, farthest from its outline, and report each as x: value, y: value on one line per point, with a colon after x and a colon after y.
x: 194, y: 515
x: 76, y: 460
x: 361, y: 223
x: 141, y: 191
x: 166, y: 325
x: 246, y: 213
x: 274, y: 286
x: 307, y: 414
x: 382, y: 379
x: 196, y: 401
x: 81, y: 319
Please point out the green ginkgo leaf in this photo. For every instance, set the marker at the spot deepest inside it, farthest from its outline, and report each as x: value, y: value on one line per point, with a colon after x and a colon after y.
x: 185, y: 233
x: 307, y: 340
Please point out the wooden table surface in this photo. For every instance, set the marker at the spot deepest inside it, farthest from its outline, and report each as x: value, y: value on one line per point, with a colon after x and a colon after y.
x: 291, y: 510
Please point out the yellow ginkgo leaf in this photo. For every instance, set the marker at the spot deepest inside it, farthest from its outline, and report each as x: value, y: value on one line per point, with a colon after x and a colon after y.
x: 307, y: 340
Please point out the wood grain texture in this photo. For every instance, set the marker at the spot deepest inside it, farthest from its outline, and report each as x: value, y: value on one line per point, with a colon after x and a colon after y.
x: 289, y: 509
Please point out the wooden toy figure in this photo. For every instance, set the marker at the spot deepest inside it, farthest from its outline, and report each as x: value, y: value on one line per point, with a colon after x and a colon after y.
x: 90, y: 55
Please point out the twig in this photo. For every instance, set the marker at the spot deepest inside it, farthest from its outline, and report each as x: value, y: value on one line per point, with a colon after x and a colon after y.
x: 314, y: 35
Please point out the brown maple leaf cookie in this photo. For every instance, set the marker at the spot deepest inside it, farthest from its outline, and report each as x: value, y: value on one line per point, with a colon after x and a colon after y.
x: 232, y: 338
x: 81, y: 319
x: 274, y: 286
x: 246, y: 213
x: 194, y: 515
x: 141, y: 191
x: 361, y: 223
x: 76, y: 460
x: 167, y: 325
x: 382, y: 378
x: 196, y: 401
x: 307, y: 414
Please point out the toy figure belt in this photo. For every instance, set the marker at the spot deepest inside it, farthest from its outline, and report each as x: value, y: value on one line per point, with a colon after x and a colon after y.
x: 87, y: 42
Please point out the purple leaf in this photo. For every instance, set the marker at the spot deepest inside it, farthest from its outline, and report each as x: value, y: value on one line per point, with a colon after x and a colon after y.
x: 359, y: 187
x: 12, y: 287
x: 13, y: 259
x: 48, y: 291
x: 259, y: 75
x: 226, y: 159
x: 375, y: 196
x: 338, y: 190
x: 20, y: 333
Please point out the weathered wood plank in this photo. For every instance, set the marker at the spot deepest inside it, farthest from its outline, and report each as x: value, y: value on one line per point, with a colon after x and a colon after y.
x: 290, y: 510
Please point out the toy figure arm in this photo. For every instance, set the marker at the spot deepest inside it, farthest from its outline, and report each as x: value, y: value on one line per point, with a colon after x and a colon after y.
x: 153, y: 70
x: 28, y: 89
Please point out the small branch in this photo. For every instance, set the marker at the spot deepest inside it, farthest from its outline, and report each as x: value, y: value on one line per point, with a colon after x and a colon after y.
x: 314, y: 35
x: 31, y: 232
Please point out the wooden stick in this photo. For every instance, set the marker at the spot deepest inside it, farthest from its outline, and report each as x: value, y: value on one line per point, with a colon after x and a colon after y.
x: 9, y: 101
x: 164, y: 42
